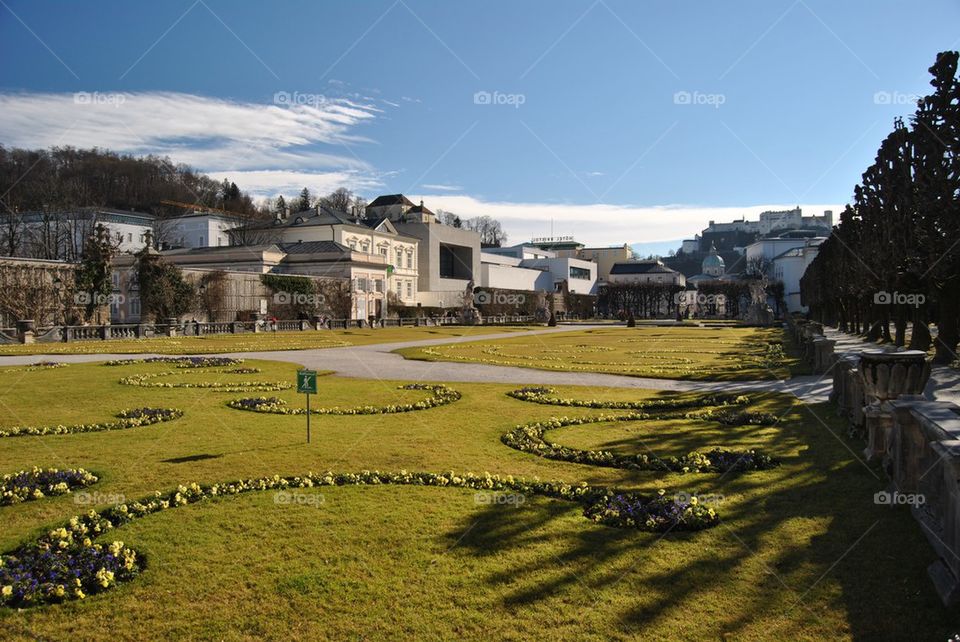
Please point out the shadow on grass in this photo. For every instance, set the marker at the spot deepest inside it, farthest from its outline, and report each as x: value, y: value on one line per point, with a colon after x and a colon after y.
x: 802, y: 551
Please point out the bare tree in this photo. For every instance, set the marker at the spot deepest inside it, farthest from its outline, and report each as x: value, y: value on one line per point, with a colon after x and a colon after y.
x: 490, y: 230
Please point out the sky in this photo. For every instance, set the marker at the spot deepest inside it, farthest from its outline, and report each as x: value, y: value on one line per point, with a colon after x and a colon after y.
x: 615, y: 121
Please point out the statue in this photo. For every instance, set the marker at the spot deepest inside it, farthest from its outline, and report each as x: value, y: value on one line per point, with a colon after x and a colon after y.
x: 542, y: 312
x: 469, y: 314
x: 758, y: 312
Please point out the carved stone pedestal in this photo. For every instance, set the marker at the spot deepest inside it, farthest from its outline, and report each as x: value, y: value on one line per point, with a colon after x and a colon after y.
x: 887, y: 376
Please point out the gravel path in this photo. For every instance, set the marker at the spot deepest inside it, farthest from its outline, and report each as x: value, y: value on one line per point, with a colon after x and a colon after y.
x: 377, y: 362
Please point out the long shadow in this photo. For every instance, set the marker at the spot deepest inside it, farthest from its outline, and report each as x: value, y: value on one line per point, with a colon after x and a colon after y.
x: 801, y: 550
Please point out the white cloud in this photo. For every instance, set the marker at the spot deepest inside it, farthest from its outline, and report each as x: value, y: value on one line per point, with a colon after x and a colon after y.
x: 441, y: 188
x: 209, y: 133
x: 601, y: 225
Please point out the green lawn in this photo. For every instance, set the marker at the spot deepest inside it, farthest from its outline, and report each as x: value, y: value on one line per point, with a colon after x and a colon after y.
x: 265, y: 341
x: 801, y: 552
x: 666, y: 353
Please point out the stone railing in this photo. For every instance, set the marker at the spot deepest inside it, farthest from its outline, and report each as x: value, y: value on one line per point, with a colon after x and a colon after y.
x: 916, y: 441
x: 923, y: 452
x: 816, y: 350
x: 25, y: 331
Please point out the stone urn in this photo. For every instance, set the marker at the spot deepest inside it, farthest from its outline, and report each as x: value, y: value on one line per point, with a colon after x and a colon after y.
x: 887, y: 376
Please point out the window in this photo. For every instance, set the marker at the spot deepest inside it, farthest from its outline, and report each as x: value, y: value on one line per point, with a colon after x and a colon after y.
x: 135, y: 307
x: 410, y: 260
x: 399, y: 257
x: 579, y: 273
x: 383, y: 251
x: 130, y: 237
x: 200, y: 244
x: 352, y: 243
x: 378, y: 285
x: 409, y: 289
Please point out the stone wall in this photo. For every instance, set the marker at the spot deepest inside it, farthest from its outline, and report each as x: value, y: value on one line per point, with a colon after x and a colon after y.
x: 916, y: 441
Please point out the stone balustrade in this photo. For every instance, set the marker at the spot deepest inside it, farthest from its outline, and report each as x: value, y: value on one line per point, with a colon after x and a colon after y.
x: 27, y: 333
x: 924, y: 465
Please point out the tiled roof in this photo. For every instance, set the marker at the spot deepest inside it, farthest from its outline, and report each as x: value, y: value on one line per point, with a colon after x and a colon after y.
x: 312, y: 247
x: 390, y: 199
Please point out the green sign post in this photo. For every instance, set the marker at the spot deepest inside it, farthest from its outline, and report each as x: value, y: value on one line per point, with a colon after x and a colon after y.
x: 307, y: 384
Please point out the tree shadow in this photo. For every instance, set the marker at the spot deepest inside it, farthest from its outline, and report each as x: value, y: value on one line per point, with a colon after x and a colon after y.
x: 801, y: 550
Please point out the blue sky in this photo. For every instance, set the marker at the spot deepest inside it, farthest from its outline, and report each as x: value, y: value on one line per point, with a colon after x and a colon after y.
x: 614, y: 121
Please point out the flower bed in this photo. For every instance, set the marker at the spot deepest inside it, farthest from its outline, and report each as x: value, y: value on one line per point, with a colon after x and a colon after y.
x: 147, y: 381
x: 28, y: 485
x: 661, y: 513
x: 546, y: 396
x: 529, y: 438
x: 131, y: 418
x: 440, y: 395
x: 181, y: 362
x: 66, y: 564
x: 39, y: 365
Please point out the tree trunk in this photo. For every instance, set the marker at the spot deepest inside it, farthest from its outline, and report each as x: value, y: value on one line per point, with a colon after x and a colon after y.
x: 901, y: 325
x: 948, y: 330
x: 920, y: 338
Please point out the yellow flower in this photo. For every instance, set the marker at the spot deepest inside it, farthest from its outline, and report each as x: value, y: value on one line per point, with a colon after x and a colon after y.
x: 7, y: 591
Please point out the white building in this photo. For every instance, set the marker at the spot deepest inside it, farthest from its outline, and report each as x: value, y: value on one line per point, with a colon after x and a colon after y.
x: 505, y: 273
x: 375, y: 238
x: 579, y: 275
x: 198, y: 229
x: 786, y: 259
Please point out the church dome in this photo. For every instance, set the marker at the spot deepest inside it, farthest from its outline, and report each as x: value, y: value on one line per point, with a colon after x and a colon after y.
x: 713, y: 263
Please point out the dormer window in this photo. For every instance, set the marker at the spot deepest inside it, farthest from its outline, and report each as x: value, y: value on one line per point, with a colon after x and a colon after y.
x: 299, y: 219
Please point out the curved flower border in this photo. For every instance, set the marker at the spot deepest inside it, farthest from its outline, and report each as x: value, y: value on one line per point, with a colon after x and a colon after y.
x: 440, y: 395
x: 29, y: 485
x: 39, y: 365
x: 530, y: 437
x: 65, y: 564
x: 129, y: 418
x: 146, y: 381
x: 181, y: 362
x: 546, y: 396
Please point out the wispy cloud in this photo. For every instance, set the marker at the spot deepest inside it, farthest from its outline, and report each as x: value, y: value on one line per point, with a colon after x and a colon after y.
x: 211, y: 134
x: 601, y: 225
x: 442, y: 188
x: 269, y: 183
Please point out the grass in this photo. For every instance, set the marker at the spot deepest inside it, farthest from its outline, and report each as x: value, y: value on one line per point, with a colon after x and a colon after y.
x: 667, y: 353
x: 802, y: 551
x: 265, y: 341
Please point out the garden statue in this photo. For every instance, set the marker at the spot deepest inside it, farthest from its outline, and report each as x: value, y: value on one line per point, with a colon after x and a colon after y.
x: 469, y: 314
